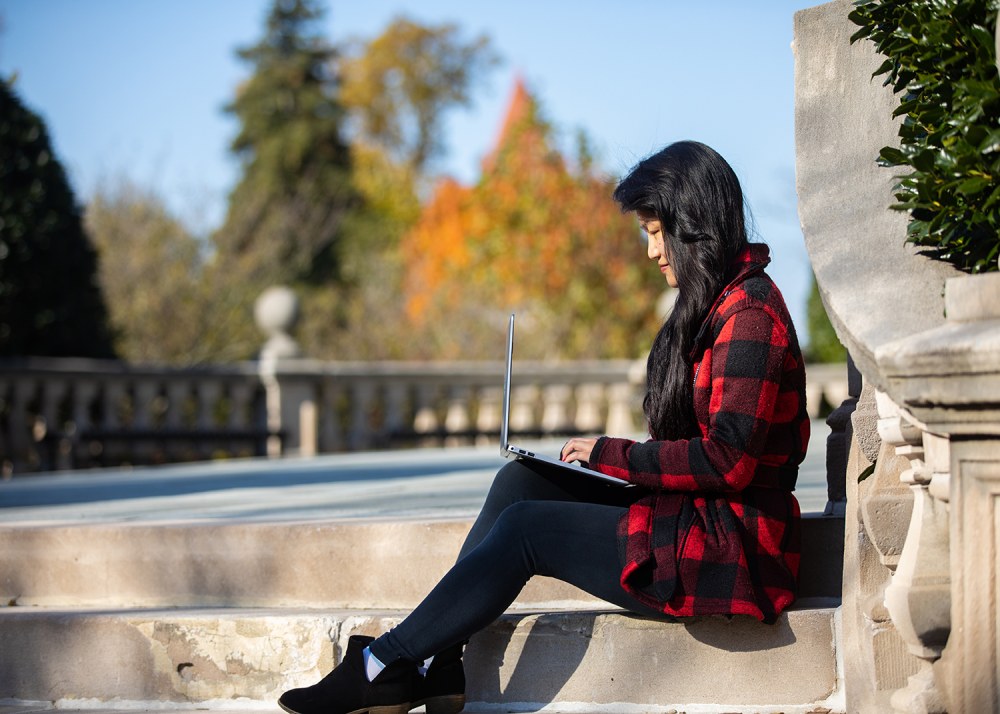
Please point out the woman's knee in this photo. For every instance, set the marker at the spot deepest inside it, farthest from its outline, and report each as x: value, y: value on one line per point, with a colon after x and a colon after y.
x: 516, y: 518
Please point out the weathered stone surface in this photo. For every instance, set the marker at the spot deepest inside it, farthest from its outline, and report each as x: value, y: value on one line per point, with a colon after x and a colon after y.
x: 594, y: 661
x: 876, y: 288
x: 311, y: 564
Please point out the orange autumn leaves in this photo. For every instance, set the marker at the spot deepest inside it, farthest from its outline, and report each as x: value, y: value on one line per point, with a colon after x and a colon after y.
x: 540, y: 236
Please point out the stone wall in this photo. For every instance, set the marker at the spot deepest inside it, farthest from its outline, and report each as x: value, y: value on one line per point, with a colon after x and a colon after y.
x: 923, y: 474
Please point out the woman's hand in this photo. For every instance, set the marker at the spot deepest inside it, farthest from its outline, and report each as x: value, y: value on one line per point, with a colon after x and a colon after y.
x: 578, y: 449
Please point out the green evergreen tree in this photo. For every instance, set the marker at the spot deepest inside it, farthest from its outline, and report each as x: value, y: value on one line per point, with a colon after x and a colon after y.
x: 824, y: 345
x: 50, y: 302
x: 290, y: 214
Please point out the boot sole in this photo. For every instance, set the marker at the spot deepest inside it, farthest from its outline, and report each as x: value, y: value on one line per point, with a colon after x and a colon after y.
x: 403, y: 708
x: 445, y: 704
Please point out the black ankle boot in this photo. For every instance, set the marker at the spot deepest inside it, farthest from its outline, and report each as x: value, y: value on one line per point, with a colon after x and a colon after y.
x: 346, y: 690
x: 442, y: 690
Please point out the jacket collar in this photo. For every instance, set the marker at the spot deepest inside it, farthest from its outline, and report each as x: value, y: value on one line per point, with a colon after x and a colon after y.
x: 752, y: 260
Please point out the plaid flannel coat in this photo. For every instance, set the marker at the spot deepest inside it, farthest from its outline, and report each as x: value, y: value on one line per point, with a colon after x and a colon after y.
x: 719, y: 532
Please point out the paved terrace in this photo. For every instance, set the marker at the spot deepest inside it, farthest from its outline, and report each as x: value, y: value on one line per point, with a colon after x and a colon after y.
x: 409, y: 484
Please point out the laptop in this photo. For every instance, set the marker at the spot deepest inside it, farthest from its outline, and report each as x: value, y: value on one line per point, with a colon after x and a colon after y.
x: 516, y: 452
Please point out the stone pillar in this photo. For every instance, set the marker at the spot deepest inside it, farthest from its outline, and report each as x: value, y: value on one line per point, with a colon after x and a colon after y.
x: 948, y: 380
x: 290, y: 399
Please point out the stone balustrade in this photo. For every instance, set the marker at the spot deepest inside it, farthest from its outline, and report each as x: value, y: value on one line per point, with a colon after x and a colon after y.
x: 77, y: 413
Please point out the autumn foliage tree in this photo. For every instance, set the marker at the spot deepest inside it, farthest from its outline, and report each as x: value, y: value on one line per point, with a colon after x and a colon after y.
x: 538, y: 234
x: 399, y: 85
x: 334, y: 144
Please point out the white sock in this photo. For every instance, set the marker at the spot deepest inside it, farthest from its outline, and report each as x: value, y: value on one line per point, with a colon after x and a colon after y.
x: 425, y: 666
x: 373, y: 665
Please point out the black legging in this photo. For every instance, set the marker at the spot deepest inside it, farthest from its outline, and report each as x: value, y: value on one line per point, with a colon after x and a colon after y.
x: 536, y: 521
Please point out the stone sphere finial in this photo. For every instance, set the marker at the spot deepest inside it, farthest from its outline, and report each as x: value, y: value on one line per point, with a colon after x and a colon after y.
x: 276, y: 312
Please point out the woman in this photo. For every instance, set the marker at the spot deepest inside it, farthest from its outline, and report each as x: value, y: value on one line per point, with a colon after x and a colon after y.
x: 712, y: 526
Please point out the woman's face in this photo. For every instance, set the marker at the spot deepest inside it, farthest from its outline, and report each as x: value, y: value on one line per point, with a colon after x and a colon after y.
x: 656, y: 246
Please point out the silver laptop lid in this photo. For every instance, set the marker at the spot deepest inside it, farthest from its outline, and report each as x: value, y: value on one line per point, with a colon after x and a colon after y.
x: 505, y: 419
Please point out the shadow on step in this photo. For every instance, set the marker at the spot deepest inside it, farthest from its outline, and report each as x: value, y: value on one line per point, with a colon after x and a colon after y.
x: 527, y: 661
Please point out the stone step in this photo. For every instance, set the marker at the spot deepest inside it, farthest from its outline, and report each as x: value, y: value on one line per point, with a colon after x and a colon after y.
x: 581, y: 661
x: 323, y: 564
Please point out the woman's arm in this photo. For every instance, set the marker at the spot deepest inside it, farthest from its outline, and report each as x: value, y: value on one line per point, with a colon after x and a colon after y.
x: 741, y: 392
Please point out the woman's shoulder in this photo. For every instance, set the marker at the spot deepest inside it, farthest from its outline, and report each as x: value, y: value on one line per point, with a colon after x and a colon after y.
x: 757, y: 291
x: 753, y: 301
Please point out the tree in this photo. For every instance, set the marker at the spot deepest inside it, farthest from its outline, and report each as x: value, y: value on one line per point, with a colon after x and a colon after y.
x: 322, y: 208
x: 295, y: 216
x: 397, y: 90
x: 824, y: 346
x: 152, y: 271
x: 538, y: 234
x: 289, y: 216
x: 399, y: 85
x: 50, y: 303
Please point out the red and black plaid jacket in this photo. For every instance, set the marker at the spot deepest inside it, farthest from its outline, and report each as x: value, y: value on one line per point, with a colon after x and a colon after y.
x: 720, y: 531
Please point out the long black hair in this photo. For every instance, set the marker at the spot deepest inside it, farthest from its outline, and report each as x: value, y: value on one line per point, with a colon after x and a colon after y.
x: 697, y: 198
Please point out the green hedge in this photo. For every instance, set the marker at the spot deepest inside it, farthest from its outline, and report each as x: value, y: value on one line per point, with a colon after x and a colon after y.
x: 941, y: 60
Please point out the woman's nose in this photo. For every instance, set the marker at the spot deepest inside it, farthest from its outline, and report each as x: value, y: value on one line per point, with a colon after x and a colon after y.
x: 652, y: 248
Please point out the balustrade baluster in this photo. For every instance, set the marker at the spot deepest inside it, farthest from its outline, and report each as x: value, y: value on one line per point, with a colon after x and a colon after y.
x: 588, y: 408
x: 7, y: 423
x: 241, y: 418
x: 208, y: 393
x: 919, y: 597
x: 814, y: 398
x: 85, y: 393
x: 489, y: 414
x: 144, y: 448
x: 51, y: 434
x: 178, y: 394
x: 425, y: 418
x: 458, y: 420
x: 523, y: 408
x: 362, y: 399
x: 22, y: 424
x: 620, y: 421
x: 555, y: 414
x: 114, y: 404
x: 394, y: 422
x: 331, y: 425
x: 143, y: 403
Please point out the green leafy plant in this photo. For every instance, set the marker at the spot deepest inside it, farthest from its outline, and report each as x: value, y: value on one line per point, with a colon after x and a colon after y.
x: 941, y: 60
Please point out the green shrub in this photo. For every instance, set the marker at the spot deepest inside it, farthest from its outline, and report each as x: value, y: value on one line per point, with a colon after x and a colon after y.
x: 941, y: 60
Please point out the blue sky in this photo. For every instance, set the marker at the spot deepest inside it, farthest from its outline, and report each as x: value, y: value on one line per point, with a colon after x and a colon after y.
x: 135, y: 89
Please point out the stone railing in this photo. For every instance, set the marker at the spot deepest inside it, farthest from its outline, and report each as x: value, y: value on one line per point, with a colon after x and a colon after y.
x: 73, y: 413
x: 919, y: 442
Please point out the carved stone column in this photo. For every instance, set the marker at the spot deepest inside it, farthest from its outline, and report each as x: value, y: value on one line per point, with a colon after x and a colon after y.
x: 948, y: 380
x: 919, y: 597
x: 876, y: 661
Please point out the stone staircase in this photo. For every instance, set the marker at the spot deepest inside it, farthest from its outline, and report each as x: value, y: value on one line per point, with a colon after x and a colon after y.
x: 228, y: 614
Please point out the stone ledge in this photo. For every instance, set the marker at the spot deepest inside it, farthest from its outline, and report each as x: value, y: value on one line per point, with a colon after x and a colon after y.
x: 255, y: 564
x: 598, y: 660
